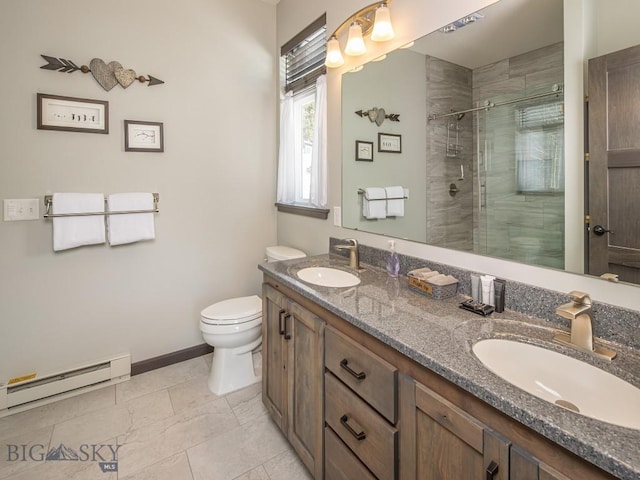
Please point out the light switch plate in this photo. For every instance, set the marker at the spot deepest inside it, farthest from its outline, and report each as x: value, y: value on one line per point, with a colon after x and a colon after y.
x: 337, y: 216
x: 21, y: 209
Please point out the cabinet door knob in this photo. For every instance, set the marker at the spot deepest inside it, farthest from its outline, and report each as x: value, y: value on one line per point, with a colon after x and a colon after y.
x: 357, y: 375
x: 280, y: 322
x: 344, y: 420
x: 492, y: 470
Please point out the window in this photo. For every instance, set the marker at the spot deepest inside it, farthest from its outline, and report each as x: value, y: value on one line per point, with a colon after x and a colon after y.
x: 302, y: 156
x: 540, y: 148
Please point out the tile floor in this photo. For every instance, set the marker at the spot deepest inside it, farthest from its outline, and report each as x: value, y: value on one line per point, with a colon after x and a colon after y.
x: 168, y: 425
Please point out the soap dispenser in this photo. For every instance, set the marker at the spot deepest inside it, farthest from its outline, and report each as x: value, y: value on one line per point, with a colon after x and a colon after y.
x: 393, y: 261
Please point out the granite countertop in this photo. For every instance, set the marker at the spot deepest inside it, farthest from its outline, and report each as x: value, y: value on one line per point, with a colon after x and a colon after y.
x: 439, y: 335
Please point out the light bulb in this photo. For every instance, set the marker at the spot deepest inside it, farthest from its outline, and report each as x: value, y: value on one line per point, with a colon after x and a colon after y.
x: 334, y: 55
x: 382, y: 28
x: 355, y: 43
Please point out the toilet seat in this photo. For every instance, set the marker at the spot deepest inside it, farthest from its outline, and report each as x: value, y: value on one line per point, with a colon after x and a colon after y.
x: 233, y: 311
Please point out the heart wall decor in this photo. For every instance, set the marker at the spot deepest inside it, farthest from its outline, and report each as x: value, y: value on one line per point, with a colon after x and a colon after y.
x: 108, y: 75
x: 104, y: 73
x: 124, y: 77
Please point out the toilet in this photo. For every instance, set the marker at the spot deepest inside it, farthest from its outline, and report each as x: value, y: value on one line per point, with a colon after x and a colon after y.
x: 233, y: 328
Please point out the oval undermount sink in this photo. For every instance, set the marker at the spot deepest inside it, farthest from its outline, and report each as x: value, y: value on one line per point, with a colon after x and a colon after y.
x: 328, y: 277
x: 562, y: 380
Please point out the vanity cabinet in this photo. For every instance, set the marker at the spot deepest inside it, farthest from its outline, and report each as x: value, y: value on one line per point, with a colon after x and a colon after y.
x: 352, y: 407
x: 292, y: 379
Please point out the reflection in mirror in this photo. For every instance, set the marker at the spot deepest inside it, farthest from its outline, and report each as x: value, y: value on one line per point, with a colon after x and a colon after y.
x: 482, y: 135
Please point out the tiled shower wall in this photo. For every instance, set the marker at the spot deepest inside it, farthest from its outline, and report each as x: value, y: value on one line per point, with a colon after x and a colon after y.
x: 516, y: 226
x: 449, y: 146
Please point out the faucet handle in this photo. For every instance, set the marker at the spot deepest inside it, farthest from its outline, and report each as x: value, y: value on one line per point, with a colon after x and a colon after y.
x: 580, y: 298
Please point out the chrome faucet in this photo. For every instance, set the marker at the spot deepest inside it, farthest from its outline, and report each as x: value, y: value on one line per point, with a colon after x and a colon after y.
x: 354, y: 256
x: 579, y: 311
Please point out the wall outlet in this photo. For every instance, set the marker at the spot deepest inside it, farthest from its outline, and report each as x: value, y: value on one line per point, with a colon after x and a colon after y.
x: 337, y: 216
x: 21, y: 209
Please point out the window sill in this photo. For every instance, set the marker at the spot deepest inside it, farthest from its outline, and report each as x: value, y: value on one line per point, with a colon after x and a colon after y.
x: 306, y: 211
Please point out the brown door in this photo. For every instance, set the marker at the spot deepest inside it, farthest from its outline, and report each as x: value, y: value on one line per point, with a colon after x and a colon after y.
x: 274, y: 351
x: 439, y: 441
x: 305, y: 332
x: 614, y: 164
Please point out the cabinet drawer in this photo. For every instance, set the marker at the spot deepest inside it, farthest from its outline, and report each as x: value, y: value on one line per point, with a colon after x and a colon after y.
x: 366, y: 433
x: 339, y: 462
x: 371, y: 377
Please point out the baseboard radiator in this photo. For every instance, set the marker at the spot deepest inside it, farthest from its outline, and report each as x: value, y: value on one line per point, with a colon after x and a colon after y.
x: 56, y: 386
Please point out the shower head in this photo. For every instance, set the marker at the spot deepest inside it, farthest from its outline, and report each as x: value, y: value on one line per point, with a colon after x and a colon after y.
x: 460, y: 116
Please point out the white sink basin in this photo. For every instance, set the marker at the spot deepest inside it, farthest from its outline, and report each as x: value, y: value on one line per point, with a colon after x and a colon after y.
x: 328, y: 277
x: 562, y: 380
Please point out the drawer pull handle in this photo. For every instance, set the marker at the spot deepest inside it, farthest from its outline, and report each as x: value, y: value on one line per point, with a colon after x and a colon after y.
x: 280, y: 322
x: 357, y: 375
x: 492, y: 470
x: 344, y: 420
x: 287, y: 333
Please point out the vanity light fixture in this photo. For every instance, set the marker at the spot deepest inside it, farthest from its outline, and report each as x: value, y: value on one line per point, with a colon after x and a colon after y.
x: 373, y: 19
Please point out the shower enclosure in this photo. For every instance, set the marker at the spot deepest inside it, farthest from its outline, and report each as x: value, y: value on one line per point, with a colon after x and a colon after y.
x: 495, y: 157
x: 518, y: 177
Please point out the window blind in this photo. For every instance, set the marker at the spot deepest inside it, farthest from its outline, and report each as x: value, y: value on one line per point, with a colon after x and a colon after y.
x: 304, y: 56
x: 540, y: 115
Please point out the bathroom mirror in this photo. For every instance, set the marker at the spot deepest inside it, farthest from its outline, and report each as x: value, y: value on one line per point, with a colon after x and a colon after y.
x: 483, y: 180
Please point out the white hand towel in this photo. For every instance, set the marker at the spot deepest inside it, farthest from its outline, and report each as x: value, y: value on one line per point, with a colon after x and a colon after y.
x: 71, y: 232
x: 133, y: 227
x: 373, y: 203
x: 395, y: 208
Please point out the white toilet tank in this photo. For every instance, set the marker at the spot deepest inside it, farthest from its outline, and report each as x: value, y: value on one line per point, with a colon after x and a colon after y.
x: 279, y: 252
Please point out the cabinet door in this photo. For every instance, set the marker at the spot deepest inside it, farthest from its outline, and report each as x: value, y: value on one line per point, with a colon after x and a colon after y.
x: 274, y: 354
x: 304, y: 332
x: 524, y: 466
x: 439, y: 441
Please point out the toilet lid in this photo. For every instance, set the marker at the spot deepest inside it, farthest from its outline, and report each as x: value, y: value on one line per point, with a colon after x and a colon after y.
x: 280, y: 252
x: 233, y: 310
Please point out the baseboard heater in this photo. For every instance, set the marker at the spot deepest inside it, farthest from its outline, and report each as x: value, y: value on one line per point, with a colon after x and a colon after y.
x: 56, y: 386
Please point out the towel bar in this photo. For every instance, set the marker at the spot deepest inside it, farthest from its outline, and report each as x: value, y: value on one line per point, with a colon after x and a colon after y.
x: 362, y: 192
x: 48, y: 202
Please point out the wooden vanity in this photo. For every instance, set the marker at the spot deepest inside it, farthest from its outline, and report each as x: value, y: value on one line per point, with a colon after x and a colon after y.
x: 355, y: 408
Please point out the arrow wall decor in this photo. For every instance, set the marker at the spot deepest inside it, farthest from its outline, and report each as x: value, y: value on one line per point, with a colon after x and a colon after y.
x: 378, y: 115
x: 108, y: 75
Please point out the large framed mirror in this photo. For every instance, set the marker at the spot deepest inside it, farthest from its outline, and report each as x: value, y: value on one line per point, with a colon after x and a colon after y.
x: 478, y: 108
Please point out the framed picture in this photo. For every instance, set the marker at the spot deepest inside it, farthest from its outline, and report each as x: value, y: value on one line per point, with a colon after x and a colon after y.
x: 143, y: 136
x: 389, y: 142
x: 364, y: 151
x: 70, y: 114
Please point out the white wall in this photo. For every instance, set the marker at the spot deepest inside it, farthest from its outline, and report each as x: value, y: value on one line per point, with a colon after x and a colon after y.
x: 218, y: 105
x: 413, y: 19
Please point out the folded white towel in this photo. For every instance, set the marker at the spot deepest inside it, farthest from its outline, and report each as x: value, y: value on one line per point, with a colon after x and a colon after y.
x: 373, y: 203
x: 71, y: 232
x: 133, y: 227
x: 395, y: 208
